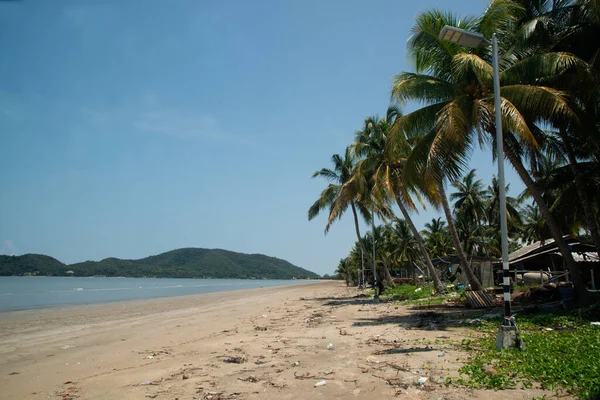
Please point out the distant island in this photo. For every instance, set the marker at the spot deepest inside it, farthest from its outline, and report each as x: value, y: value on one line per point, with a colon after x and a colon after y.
x: 180, y: 263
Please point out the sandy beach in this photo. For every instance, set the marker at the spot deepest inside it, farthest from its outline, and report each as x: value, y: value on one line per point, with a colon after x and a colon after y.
x: 268, y: 343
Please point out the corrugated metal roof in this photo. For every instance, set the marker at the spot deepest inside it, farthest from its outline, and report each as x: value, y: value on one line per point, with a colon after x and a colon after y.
x: 586, y: 257
x: 549, y: 246
x: 479, y: 299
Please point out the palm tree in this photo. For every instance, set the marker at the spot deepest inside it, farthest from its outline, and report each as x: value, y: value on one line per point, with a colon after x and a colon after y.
x: 534, y: 227
x: 513, y: 211
x: 456, y: 90
x: 331, y: 197
x: 382, y: 173
x: 407, y: 247
x: 437, y: 238
x: 470, y: 204
x: 469, y: 198
x: 347, y: 271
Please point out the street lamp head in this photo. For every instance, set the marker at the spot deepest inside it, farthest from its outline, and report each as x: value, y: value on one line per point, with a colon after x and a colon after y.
x: 462, y: 37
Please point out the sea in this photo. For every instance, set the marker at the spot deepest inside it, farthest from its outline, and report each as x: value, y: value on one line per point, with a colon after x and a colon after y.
x: 26, y: 293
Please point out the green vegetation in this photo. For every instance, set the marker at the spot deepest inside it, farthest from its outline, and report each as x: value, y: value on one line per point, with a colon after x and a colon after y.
x: 31, y: 264
x: 409, y: 292
x: 561, y: 354
x: 550, y: 107
x: 181, y: 263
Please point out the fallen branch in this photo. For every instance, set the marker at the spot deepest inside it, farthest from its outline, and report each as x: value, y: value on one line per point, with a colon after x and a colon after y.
x: 311, y: 377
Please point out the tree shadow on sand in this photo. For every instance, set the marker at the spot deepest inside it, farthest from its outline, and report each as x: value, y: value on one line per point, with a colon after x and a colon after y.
x: 439, y: 319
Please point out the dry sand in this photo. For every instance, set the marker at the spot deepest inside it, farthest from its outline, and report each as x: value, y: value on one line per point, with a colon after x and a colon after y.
x: 268, y: 343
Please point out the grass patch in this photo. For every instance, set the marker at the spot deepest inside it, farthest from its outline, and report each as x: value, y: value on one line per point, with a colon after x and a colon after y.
x: 562, y: 353
x: 408, y: 292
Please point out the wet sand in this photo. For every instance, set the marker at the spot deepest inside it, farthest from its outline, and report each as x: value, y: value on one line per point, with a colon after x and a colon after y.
x: 268, y: 343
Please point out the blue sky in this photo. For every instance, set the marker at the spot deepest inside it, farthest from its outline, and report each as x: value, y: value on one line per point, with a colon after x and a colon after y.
x: 130, y: 128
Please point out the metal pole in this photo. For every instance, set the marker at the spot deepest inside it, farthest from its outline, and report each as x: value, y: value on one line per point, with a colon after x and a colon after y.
x: 361, y: 271
x: 374, y: 261
x: 502, y: 189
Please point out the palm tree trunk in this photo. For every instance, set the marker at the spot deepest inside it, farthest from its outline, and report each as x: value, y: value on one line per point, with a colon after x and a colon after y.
x: 386, y: 270
x: 582, y: 293
x: 473, y: 281
x: 360, y: 242
x: 585, y: 201
x: 437, y: 283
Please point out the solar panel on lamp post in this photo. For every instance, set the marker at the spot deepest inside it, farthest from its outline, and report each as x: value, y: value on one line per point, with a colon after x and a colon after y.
x: 475, y: 40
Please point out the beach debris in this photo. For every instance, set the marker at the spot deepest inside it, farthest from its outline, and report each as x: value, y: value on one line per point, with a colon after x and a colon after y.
x: 365, y: 370
x: 145, y: 383
x: 422, y: 381
x: 67, y: 346
x: 595, y: 325
x: 284, y: 340
x: 260, y: 328
x: 251, y: 378
x: 151, y: 395
x: 236, y: 359
x: 184, y: 377
x: 259, y: 362
x: 14, y: 373
x: 297, y: 364
x: 330, y: 346
x: 443, y: 337
x: 148, y: 357
x: 441, y: 353
x: 67, y: 382
x: 321, y: 383
x: 418, y: 289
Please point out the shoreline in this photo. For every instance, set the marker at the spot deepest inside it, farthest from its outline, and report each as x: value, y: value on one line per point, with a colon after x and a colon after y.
x: 221, y: 288
x: 262, y: 343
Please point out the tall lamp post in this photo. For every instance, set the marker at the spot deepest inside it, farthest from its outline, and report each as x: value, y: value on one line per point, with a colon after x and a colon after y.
x: 507, y: 333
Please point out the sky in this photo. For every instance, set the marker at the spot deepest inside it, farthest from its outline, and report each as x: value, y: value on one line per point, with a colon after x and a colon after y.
x: 130, y: 128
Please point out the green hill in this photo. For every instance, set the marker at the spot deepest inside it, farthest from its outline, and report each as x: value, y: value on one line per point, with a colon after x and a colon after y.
x: 31, y: 264
x: 181, y: 263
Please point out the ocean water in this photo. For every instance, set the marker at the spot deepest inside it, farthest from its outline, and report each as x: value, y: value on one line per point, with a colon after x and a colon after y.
x: 25, y: 293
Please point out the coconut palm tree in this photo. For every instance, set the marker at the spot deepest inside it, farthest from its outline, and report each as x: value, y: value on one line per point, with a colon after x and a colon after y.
x: 407, y: 247
x: 469, y: 198
x: 513, y: 209
x: 346, y: 270
x: 383, y: 174
x: 437, y: 238
x: 534, y: 227
x: 331, y: 198
x: 454, y: 85
x: 470, y: 205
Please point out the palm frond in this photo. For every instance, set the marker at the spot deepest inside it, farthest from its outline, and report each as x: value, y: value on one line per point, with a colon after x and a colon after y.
x: 426, y: 89
x: 540, y: 67
x: 429, y: 52
x: 540, y: 102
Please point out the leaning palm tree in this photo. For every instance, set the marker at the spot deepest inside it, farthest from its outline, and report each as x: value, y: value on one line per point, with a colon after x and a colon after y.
x: 455, y: 87
x: 382, y: 173
x: 330, y: 197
